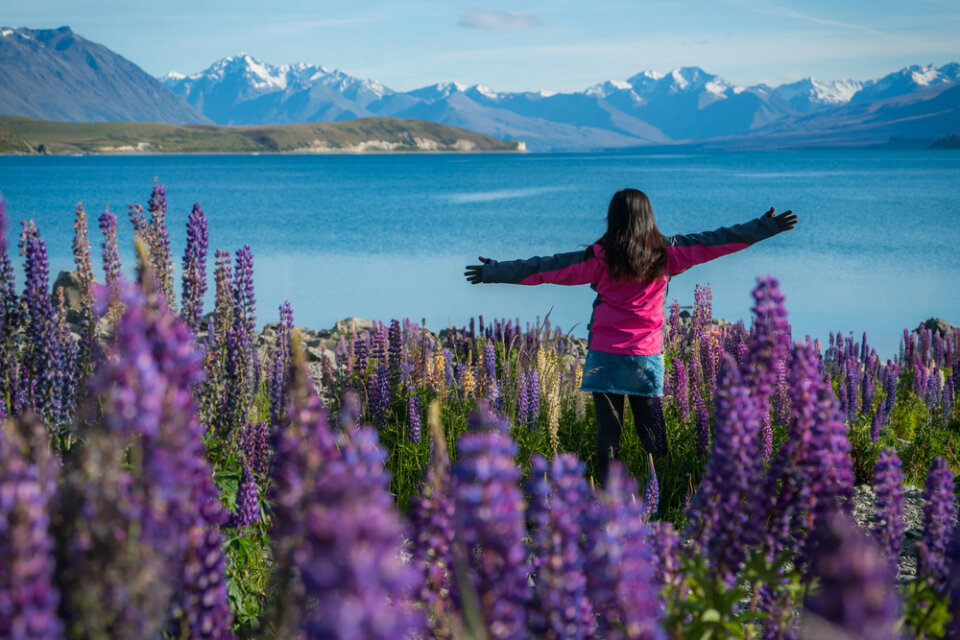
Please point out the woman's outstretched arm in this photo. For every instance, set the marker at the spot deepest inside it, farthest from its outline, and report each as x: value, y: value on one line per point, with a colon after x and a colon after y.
x: 685, y: 251
x: 575, y: 267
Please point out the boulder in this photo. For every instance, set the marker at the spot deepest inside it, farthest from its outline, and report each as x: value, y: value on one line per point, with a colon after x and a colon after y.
x: 937, y: 325
x: 69, y: 283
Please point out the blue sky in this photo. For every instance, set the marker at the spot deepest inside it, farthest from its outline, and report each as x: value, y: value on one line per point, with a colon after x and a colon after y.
x: 555, y: 45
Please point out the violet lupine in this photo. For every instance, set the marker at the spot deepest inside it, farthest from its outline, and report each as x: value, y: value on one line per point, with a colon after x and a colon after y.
x: 223, y: 301
x: 770, y: 343
x: 857, y: 596
x: 194, y: 284
x: 766, y: 437
x: 413, y: 414
x: 523, y: 400
x: 244, y: 311
x: 703, y: 427
x: 28, y: 596
x: 533, y: 398
x: 248, y: 501
x: 727, y: 512
x: 9, y: 316
x: 621, y: 562
x: 394, y: 354
x: 431, y: 516
x: 81, y: 258
x: 490, y: 370
x: 489, y: 514
x: 876, y: 424
x: 659, y: 427
x: 538, y: 519
x: 651, y: 492
x: 280, y: 365
x: 254, y: 444
x: 360, y: 356
x: 42, y: 359
x: 889, y: 504
x: 206, y: 604
x: 680, y: 388
x: 562, y: 588
x: 382, y: 404
x: 158, y: 240
x: 938, y: 513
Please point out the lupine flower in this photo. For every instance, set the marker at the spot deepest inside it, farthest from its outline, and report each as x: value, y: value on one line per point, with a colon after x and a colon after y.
x: 158, y: 240
x: 9, y: 314
x: 254, y: 444
x: 413, y: 413
x: 360, y: 356
x: 523, y: 401
x: 395, y: 354
x: 248, y: 501
x: 651, y: 493
x: 533, y: 398
x: 771, y: 340
x: 206, y: 605
x: 766, y: 437
x: 81, y: 258
x: 42, y: 359
x: 938, y: 512
x: 431, y: 515
x: 659, y: 427
x: 280, y: 365
x: 561, y: 585
x: 490, y: 369
x: 28, y: 597
x: 857, y: 595
x: 195, y: 269
x: 680, y: 388
x: 727, y: 511
x: 223, y: 305
x: 889, y: 504
x: 489, y: 512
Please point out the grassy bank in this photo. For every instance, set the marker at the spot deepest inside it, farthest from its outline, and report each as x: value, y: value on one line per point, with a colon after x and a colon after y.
x: 29, y: 135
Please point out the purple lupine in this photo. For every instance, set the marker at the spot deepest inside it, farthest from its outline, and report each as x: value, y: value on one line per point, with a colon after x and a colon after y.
x: 382, y: 404
x: 280, y: 365
x: 81, y: 258
x: 621, y: 563
x: 676, y: 329
x: 254, y: 444
x: 770, y: 343
x: 158, y: 240
x: 206, y: 604
x: 853, y: 389
x: 489, y: 515
x: 223, y: 302
x: 702, y: 310
x: 651, y: 492
x: 195, y: 268
x: 680, y: 388
x: 533, y: 398
x: 703, y: 427
x: 857, y: 596
x: 241, y: 365
x: 413, y: 414
x: 9, y: 315
x: 560, y: 605
x: 248, y: 501
x: 490, y: 373
x: 889, y: 504
x: 781, y: 395
x: 523, y: 400
x: 394, y: 354
x: 360, y: 356
x: 28, y: 595
x: 244, y: 308
x: 938, y: 513
x: 727, y: 512
x: 42, y: 359
x: 876, y: 424
x: 766, y: 437
x: 431, y: 517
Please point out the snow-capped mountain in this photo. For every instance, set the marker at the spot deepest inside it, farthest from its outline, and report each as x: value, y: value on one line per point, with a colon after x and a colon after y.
x: 908, y: 80
x: 808, y: 94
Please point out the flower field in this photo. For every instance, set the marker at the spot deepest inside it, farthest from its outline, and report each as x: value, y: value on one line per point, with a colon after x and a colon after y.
x: 162, y: 477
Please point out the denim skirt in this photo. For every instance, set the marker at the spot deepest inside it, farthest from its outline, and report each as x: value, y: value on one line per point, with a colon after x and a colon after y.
x: 623, y: 374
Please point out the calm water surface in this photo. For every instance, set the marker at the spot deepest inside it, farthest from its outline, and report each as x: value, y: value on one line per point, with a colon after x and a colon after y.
x: 385, y: 236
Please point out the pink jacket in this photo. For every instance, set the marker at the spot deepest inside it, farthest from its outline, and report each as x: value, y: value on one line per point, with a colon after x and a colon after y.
x: 628, y: 316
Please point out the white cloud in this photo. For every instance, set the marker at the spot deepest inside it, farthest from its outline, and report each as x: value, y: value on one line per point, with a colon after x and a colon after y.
x: 492, y: 20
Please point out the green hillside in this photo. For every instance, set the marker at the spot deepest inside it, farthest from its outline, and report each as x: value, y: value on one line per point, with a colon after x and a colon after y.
x: 19, y: 134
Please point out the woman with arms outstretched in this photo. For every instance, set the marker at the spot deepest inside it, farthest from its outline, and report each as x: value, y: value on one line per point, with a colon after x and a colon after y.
x: 629, y: 268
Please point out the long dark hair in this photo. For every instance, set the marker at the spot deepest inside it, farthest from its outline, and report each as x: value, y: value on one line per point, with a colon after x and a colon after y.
x: 633, y: 246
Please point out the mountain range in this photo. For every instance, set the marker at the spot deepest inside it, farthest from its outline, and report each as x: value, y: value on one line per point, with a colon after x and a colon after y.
x: 687, y: 104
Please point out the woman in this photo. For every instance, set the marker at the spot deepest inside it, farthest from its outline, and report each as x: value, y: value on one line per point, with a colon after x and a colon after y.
x: 629, y: 268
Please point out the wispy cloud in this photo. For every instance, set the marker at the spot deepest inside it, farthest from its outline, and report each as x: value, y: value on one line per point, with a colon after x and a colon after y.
x: 790, y: 13
x: 493, y: 20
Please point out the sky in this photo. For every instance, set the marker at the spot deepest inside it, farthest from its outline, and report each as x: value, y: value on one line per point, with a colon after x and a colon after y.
x: 552, y: 45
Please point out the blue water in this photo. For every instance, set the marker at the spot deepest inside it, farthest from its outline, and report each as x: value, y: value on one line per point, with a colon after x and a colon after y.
x: 384, y: 236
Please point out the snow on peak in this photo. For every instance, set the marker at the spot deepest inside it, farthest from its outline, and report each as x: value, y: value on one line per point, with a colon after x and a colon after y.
x: 5, y: 32
x: 924, y: 76
x: 486, y: 91
x: 173, y: 76
x: 603, y: 89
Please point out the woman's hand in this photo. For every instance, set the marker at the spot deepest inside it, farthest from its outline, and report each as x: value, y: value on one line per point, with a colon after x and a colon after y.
x: 785, y: 221
x: 474, y: 272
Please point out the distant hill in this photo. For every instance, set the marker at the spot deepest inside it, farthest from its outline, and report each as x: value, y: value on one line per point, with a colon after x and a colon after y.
x: 29, y: 135
x: 57, y: 75
x: 947, y: 142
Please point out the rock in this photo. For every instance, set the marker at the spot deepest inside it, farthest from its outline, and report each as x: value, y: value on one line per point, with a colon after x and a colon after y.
x: 355, y: 324
x: 937, y: 325
x: 69, y: 283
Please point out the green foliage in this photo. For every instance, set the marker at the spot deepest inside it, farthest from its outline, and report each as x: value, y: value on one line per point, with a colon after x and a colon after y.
x: 926, y: 612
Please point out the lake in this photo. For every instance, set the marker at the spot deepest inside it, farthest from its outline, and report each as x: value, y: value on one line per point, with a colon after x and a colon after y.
x: 387, y: 236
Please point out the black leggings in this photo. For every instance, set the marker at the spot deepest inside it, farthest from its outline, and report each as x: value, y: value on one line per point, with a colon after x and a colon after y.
x: 609, y: 410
